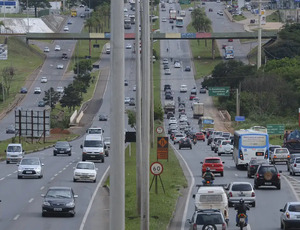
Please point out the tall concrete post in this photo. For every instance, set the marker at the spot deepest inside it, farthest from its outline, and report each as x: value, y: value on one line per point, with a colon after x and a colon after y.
x: 259, y: 37
x: 117, y: 73
x: 145, y: 115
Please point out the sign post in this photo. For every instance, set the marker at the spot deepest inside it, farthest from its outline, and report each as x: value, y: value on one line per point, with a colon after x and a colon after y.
x: 156, y: 169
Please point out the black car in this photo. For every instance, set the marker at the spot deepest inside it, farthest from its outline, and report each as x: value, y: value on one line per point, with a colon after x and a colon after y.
x: 132, y: 102
x: 23, y: 90
x: 202, y: 90
x: 267, y: 175
x: 187, y: 68
x: 125, y: 82
x: 169, y: 96
x: 41, y: 104
x: 166, y: 67
x: 59, y: 200
x: 103, y: 117
x: 170, y: 114
x: 253, y: 165
x: 207, y: 219
x: 185, y: 143
x: 10, y: 130
x: 167, y: 87
x: 62, y: 147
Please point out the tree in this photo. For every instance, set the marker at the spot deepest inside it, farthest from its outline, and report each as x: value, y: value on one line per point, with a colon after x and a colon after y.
x: 36, y: 4
x: 8, y: 74
x: 83, y: 66
x: 71, y: 98
x: 200, y: 22
x: 51, y: 97
x: 131, y: 118
x: 89, y: 24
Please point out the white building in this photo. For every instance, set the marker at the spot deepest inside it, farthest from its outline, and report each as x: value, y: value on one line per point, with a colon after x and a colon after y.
x: 9, y: 7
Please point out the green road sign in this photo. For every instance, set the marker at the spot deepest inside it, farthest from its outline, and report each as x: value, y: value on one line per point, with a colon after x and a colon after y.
x: 275, y: 129
x: 218, y: 91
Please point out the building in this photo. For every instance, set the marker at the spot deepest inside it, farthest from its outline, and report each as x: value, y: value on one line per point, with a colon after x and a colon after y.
x: 9, y: 7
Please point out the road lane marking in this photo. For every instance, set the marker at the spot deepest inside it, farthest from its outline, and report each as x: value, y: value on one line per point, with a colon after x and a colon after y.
x: 9, y: 175
x: 42, y: 187
x: 2, y: 178
x: 30, y: 200
x: 236, y: 175
x: 64, y: 169
x: 55, y: 175
x: 16, y: 171
x: 52, y: 178
x: 16, y: 217
x: 60, y: 171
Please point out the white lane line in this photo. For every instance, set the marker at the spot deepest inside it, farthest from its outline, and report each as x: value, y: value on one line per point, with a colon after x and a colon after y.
x: 92, y: 200
x: 30, y: 200
x: 42, y: 187
x: 64, y: 169
x: 292, y: 187
x: 248, y: 227
x: 236, y: 175
x: 60, y: 171
x: 2, y: 178
x: 52, y: 178
x: 15, y: 171
x: 55, y: 175
x: 16, y: 217
x: 9, y: 175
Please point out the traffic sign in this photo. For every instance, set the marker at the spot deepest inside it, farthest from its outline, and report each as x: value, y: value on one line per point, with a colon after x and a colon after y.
x: 218, y: 91
x: 275, y: 129
x: 239, y: 118
x: 162, y: 147
x: 156, y: 168
x: 159, y: 129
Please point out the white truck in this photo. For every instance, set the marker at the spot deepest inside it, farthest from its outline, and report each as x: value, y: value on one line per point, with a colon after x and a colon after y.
x: 198, y: 110
x: 169, y: 106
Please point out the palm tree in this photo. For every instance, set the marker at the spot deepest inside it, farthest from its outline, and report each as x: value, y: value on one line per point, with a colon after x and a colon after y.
x: 89, y: 23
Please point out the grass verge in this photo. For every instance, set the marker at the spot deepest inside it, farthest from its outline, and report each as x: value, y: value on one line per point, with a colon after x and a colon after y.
x: 274, y: 17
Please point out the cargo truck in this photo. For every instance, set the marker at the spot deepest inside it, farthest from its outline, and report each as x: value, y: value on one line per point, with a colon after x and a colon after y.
x: 198, y: 110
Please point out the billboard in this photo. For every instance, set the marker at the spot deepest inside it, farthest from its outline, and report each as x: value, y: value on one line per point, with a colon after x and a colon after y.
x: 3, y: 51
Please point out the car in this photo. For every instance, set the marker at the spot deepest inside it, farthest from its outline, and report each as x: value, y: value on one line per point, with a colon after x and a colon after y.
x: 183, y: 118
x: 218, y: 143
x: 178, y: 136
x: 196, y: 100
x: 177, y: 65
x: 126, y: 100
x: 165, y: 61
x: 272, y: 147
x: 171, y: 21
x: 66, y: 28
x: 59, y: 89
x: 125, y: 82
x: 59, y: 200
x: 64, y: 56
x: 107, y: 142
x: 207, y: 219
x: 295, y: 166
x: 166, y: 66
x: 214, y: 142
x: 191, y: 8
x: 293, y: 156
x: 167, y: 72
x: 183, y: 89
x: 166, y: 87
x: 192, y: 96
x: 134, y: 88
x: 267, y: 175
x: 44, y: 80
x: 253, y: 165
x: 85, y: 171
x: 30, y: 167
x: 81, y: 6
x: 200, y: 136
x: 70, y: 22
x: 62, y: 147
x: 23, y: 90
x: 10, y: 130
x: 82, y: 15
x: 37, y: 90
x: 41, y: 104
x: 164, y: 19
x: 57, y: 48
x: 86, y: 9
x: 240, y: 190
x: 202, y: 91
x: 230, y: 40
x: 220, y: 12
x: 181, y: 108
x: 46, y: 49
x: 185, y: 143
x: 210, y: 10
x: 172, y: 120
x: 128, y: 46
x: 214, y: 163
x: 60, y: 66
x: 172, y: 127
x: 183, y: 125
x: 194, y: 91
x: 280, y: 155
x: 225, y: 147
x: 125, y: 10
x: 289, y: 217
x: 168, y: 96
x: 103, y: 117
x: 170, y: 114
x: 187, y: 68
x: 132, y: 102
x: 172, y: 133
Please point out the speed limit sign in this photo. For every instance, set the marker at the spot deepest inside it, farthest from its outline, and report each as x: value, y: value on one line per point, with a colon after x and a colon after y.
x: 156, y: 168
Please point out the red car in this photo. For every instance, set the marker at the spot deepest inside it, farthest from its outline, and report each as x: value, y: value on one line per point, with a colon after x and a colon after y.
x: 200, y: 136
x: 214, y: 163
x: 192, y: 96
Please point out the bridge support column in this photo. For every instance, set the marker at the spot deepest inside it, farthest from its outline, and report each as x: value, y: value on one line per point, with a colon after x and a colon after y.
x: 213, y: 49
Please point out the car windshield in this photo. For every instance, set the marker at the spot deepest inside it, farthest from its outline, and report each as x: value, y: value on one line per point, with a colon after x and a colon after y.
x: 226, y: 142
x: 85, y: 166
x: 14, y: 149
x: 30, y: 162
x: 91, y: 143
x: 267, y: 169
x: 281, y: 151
x: 212, y: 161
x: 294, y: 208
x: 297, y: 160
x: 241, y: 187
x: 59, y: 193
x: 62, y: 145
x: 208, y: 218
x: 95, y: 131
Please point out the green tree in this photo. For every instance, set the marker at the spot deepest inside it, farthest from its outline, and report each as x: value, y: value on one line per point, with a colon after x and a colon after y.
x: 89, y: 23
x: 36, y: 4
x: 51, y: 97
x: 131, y: 118
x: 8, y: 74
x: 71, y: 98
x: 200, y: 22
x: 83, y: 66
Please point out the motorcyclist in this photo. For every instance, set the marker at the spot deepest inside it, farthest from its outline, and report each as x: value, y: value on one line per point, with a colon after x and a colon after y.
x: 194, y: 139
x: 208, y: 176
x: 172, y: 27
x: 241, y: 208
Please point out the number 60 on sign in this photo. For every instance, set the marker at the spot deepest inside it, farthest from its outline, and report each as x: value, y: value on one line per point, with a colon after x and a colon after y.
x: 156, y: 168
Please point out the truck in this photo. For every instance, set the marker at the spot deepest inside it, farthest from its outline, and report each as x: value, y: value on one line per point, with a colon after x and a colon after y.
x: 198, y: 110
x: 229, y: 52
x: 73, y: 13
x: 172, y: 14
x: 169, y: 106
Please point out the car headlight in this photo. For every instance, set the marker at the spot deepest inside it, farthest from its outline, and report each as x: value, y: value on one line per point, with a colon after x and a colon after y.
x: 38, y: 169
x: 69, y: 149
x: 46, y: 203
x: 55, y: 149
x: 70, y: 204
x: 77, y: 174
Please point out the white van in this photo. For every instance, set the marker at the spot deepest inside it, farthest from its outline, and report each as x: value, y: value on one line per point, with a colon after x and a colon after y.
x: 107, y: 48
x: 14, y: 153
x: 212, y: 197
x: 93, y: 148
x: 96, y: 131
x: 182, y: 13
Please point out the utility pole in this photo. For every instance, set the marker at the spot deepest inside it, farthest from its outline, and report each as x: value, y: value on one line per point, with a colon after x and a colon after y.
x: 146, y: 115
x: 117, y: 72
x: 151, y: 77
x: 259, y: 37
x: 138, y: 108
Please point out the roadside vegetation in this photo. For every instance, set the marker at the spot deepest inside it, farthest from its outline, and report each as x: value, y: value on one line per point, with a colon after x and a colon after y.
x: 274, y: 17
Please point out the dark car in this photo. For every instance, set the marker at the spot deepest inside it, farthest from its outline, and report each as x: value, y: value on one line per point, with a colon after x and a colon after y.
x: 187, y: 68
x: 202, y: 90
x: 126, y: 82
x: 166, y: 67
x: 103, y: 117
x: 168, y: 96
x: 59, y: 200
x: 10, y: 130
x: 64, y: 56
x: 132, y: 102
x: 207, y: 219
x: 267, y: 175
x: 185, y: 143
x: 167, y: 87
x: 194, y: 91
x: 23, y: 90
x: 41, y: 104
x: 171, y: 21
x: 253, y: 165
x: 170, y: 114
x: 62, y: 147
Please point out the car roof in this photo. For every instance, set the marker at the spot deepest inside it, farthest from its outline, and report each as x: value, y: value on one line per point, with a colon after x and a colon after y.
x: 206, y: 158
x: 209, y: 189
x: 58, y: 187
x: 241, y: 182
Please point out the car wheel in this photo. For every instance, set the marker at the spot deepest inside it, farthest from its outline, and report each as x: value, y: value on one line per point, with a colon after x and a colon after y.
x: 54, y: 154
x: 248, y: 175
x: 74, y: 180
x: 219, y: 154
x: 43, y: 214
x: 179, y: 147
x: 7, y: 162
x: 41, y: 176
x: 94, y: 181
x: 278, y: 186
x: 285, y: 227
x: 191, y: 147
x: 290, y: 172
x: 253, y: 204
x: 230, y: 204
x: 19, y: 177
x: 255, y: 186
x: 215, y: 151
x: 293, y: 173
x: 222, y: 173
x: 102, y: 161
x: 72, y: 214
x: 83, y: 159
x: 69, y: 154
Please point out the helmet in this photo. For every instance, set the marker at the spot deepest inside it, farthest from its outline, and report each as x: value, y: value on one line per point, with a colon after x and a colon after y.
x: 241, y: 201
x: 207, y: 169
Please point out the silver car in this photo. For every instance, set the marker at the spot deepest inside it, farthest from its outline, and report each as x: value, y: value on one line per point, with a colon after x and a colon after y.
x: 290, y: 216
x: 295, y: 166
x: 30, y: 167
x: 240, y: 190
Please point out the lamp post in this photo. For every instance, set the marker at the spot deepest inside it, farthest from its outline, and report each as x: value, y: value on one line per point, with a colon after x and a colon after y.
x: 27, y: 16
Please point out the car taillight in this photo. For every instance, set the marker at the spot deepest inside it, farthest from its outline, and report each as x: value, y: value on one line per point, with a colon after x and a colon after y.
x: 257, y: 175
x: 253, y: 194
x: 241, y: 156
x: 195, y: 227
x: 287, y: 215
x: 220, y: 146
x: 251, y: 166
x: 288, y: 156
x: 223, y: 226
x: 295, y: 165
x: 278, y: 175
x: 230, y: 194
x: 275, y: 156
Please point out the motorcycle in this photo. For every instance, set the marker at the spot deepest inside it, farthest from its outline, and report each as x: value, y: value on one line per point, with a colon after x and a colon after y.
x: 207, y: 182
x: 242, y: 220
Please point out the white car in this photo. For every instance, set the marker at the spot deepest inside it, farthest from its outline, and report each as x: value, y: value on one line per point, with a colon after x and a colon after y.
x: 44, y: 80
x: 220, y: 12
x: 240, y: 190
x: 59, y: 89
x: 290, y: 215
x: 128, y: 46
x: 125, y: 10
x: 177, y: 137
x: 183, y: 89
x: 126, y: 100
x: 46, y: 49
x: 295, y: 166
x: 167, y: 72
x: 60, y: 66
x: 225, y: 147
x: 66, y: 28
x: 172, y: 120
x: 164, y: 19
x: 177, y: 64
x: 107, y: 142
x: 57, y: 48
x: 85, y: 171
x: 134, y: 88
x: 183, y: 118
x: 165, y: 61
x: 30, y: 167
x: 37, y: 90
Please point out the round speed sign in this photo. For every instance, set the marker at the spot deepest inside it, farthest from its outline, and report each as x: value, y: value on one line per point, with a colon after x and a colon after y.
x: 156, y: 168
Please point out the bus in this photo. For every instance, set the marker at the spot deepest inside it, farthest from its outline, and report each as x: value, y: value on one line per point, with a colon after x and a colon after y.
x: 206, y: 123
x: 172, y: 14
x: 248, y: 144
x: 179, y: 21
x: 229, y: 52
x: 73, y: 13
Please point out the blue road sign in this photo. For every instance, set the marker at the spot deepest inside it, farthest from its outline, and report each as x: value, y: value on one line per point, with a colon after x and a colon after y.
x: 239, y: 118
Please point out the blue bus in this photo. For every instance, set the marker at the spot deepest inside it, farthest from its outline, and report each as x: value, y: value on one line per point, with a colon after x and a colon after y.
x: 249, y: 144
x: 179, y: 21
